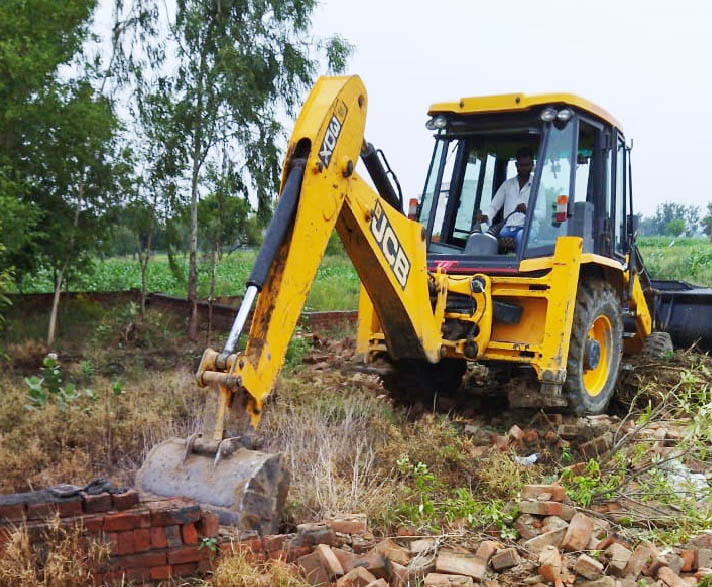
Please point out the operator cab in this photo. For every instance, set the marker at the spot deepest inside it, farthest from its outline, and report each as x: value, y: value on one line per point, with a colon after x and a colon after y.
x: 578, y: 184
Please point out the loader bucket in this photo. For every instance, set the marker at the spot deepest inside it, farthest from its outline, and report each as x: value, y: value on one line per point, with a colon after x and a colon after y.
x: 246, y: 489
x: 685, y: 311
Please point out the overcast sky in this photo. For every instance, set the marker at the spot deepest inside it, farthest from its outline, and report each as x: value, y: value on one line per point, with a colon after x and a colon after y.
x: 645, y: 61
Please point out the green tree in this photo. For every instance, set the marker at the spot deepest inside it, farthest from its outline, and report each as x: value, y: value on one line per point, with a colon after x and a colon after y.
x: 238, y: 64
x: 675, y: 227
x: 707, y: 220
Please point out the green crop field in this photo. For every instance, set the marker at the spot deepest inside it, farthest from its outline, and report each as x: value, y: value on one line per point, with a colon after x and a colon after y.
x: 337, y: 285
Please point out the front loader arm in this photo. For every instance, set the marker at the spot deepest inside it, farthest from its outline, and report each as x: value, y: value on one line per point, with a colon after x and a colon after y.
x: 386, y: 248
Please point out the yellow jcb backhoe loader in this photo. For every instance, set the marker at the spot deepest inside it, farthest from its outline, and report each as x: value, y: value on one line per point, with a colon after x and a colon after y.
x: 555, y: 313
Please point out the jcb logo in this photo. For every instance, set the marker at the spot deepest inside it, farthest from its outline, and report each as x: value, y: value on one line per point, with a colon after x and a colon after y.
x: 388, y: 242
x: 332, y: 134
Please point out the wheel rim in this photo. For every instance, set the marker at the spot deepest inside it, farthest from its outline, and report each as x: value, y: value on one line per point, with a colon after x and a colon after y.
x: 594, y: 380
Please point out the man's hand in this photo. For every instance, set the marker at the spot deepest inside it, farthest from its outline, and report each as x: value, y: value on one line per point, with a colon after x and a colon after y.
x: 521, y: 208
x: 480, y: 218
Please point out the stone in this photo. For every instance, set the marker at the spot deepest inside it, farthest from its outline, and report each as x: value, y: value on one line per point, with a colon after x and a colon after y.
x: 618, y: 557
x: 457, y: 563
x: 505, y: 559
x: 578, y: 533
x: 588, y: 567
x: 552, y: 538
x: 550, y: 565
x: 555, y: 491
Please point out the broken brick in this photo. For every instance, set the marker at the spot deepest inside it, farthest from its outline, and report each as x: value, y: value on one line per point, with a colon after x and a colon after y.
x: 618, y: 557
x: 516, y: 433
x: 668, y: 576
x: 443, y: 580
x: 578, y: 533
x: 329, y: 560
x: 552, y: 538
x: 640, y: 558
x: 527, y: 526
x: 356, y: 577
x: 190, y: 533
x: 209, y: 525
x: 553, y: 523
x: 313, y: 569
x: 460, y: 564
x: 487, y: 548
x: 349, y: 523
x: 555, y: 491
x: 125, y: 500
x: 542, y: 508
x: 550, y: 564
x: 505, y: 559
x: 588, y: 567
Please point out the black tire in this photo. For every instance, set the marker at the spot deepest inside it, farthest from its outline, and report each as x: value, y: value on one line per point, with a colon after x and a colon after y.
x: 657, y: 345
x: 590, y: 383
x: 417, y: 382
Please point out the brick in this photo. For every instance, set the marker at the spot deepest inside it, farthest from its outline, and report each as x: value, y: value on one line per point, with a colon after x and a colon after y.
x: 137, y: 575
x: 356, y: 577
x: 347, y: 559
x: 597, y: 446
x: 313, y: 569
x: 125, y: 542
x: 293, y: 553
x: 516, y: 433
x: 588, y: 567
x: 41, y: 510
x: 190, y: 533
x: 443, y: 580
x: 618, y: 557
x: 187, y: 554
x: 112, y: 539
x: 668, y: 576
x: 158, y: 537
x: 376, y: 563
x: 126, y: 521
x: 173, y: 512
x: 552, y: 538
x: 556, y: 492
x: 184, y: 569
x: 500, y: 442
x: 161, y: 573
x: 505, y: 559
x: 349, y: 523
x: 689, y: 560
x: 486, y: 549
x: 550, y: 565
x: 541, y: 508
x: 393, y: 552
x: 528, y: 526
x: 704, y: 558
x: 567, y: 512
x: 95, y: 504
x: 530, y: 435
x: 174, y: 537
x: 70, y: 506
x: 399, y: 575
x: 142, y: 539
x: 553, y: 523
x: 421, y: 545
x: 145, y: 560
x: 329, y: 560
x: 93, y: 524
x: 640, y: 558
x: 12, y: 512
x: 703, y: 540
x: 209, y: 525
x: 125, y: 500
x: 460, y: 564
x: 578, y: 534
x: 378, y: 583
x: 316, y: 533
x: 274, y: 542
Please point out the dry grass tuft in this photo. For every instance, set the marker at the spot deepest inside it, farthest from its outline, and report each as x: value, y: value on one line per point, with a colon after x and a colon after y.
x: 63, y: 558
x: 239, y: 571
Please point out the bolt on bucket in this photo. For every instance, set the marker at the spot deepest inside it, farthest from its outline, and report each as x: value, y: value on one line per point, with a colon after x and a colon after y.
x: 246, y: 488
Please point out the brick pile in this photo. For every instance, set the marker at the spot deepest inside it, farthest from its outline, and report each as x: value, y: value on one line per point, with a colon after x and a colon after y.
x: 149, y: 540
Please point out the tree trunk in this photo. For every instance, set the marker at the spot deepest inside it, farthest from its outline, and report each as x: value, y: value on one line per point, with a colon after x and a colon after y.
x: 55, y: 305
x: 144, y: 256
x: 192, y: 264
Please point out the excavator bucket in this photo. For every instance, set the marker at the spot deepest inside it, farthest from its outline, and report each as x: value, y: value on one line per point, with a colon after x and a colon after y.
x: 685, y: 311
x: 245, y: 488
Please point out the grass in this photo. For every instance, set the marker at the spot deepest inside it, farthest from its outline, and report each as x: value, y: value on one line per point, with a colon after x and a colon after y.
x: 684, y: 259
x: 336, y: 286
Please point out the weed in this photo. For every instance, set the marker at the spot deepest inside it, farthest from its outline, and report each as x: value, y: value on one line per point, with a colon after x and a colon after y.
x: 238, y: 570
x: 297, y: 349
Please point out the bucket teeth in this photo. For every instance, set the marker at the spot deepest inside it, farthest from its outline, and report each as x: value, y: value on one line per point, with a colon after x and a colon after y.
x: 245, y: 488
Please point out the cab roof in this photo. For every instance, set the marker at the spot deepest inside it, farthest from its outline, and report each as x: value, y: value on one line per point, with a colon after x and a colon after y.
x: 518, y: 102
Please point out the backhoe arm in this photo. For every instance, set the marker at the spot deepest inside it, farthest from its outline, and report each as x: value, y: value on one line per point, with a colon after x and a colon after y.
x: 321, y: 192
